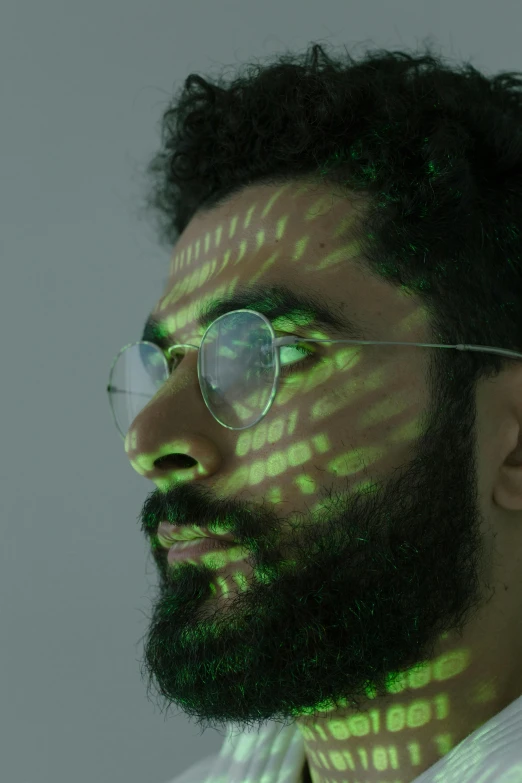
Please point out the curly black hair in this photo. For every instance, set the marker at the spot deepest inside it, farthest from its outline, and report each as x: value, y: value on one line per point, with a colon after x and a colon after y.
x: 438, y: 151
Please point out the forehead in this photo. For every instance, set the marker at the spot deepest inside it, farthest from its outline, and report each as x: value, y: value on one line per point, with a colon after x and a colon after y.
x: 297, y: 234
x: 263, y: 229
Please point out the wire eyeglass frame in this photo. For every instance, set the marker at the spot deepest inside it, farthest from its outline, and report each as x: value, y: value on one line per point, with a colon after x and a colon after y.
x: 278, y: 342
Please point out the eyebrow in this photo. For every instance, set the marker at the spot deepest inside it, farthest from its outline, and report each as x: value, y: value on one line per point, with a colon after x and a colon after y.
x: 302, y: 309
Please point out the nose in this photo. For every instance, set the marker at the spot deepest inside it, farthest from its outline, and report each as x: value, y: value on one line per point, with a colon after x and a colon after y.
x: 156, y: 457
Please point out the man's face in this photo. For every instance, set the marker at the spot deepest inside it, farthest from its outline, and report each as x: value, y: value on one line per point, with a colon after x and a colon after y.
x: 369, y: 510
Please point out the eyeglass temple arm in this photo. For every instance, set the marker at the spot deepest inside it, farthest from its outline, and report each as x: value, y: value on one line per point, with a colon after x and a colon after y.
x: 459, y: 347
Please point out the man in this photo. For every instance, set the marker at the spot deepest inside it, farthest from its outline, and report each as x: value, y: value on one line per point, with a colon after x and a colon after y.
x: 373, y: 597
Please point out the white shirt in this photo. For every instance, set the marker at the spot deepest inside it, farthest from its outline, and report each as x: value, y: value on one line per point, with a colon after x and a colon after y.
x: 276, y: 755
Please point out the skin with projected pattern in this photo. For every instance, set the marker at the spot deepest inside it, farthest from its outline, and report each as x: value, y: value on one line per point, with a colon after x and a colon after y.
x: 374, y: 596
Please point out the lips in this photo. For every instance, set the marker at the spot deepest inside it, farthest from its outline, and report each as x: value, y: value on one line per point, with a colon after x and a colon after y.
x: 169, y: 534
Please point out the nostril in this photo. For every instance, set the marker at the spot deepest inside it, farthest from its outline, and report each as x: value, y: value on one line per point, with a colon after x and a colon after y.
x: 175, y: 461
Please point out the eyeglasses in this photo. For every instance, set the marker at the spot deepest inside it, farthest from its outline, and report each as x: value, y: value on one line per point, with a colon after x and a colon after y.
x: 239, y: 366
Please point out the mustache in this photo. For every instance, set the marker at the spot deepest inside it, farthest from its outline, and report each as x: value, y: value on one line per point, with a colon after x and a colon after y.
x: 189, y: 505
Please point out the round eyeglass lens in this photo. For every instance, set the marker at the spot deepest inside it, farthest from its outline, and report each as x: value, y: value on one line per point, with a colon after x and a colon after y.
x: 137, y: 374
x: 237, y: 370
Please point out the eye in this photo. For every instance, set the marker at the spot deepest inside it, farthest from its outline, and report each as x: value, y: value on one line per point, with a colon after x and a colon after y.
x: 301, y: 349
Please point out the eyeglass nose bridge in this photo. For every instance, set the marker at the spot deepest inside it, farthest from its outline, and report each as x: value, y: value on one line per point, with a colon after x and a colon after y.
x: 181, y: 345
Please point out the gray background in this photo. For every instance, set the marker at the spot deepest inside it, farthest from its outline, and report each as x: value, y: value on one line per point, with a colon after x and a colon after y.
x: 83, y: 87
